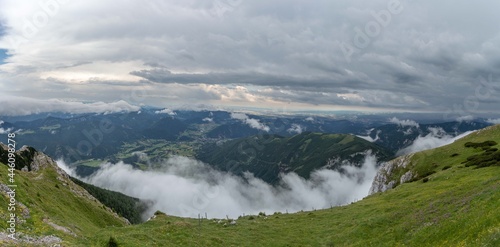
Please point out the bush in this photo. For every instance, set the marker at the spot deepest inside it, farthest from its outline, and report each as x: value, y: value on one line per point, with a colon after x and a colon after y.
x: 446, y: 168
x: 425, y: 180
x: 251, y: 217
x: 484, y: 145
x: 485, y: 159
x: 112, y: 242
x: 262, y: 214
x: 454, y: 155
x: 159, y: 213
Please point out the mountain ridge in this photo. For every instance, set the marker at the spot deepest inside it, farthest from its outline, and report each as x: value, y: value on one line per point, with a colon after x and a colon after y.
x: 267, y: 156
x: 48, y: 205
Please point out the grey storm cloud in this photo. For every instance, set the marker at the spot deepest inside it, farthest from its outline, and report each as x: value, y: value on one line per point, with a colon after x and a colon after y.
x: 408, y: 55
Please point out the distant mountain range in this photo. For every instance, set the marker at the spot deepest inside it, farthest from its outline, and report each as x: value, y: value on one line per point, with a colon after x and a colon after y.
x: 396, y: 137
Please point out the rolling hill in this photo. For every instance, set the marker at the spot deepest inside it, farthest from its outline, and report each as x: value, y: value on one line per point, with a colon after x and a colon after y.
x: 266, y: 156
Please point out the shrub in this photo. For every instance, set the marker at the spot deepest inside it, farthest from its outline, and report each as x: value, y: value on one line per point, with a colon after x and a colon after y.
x: 262, y: 214
x: 425, y: 180
x: 446, y: 168
x: 483, y: 145
x: 487, y: 158
x: 159, y: 213
x: 251, y: 217
x: 112, y: 242
x: 454, y: 155
x: 490, y: 143
x: 424, y: 175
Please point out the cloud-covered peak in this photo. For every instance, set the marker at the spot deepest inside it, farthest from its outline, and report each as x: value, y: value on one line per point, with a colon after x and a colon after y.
x: 253, y: 123
x: 13, y: 106
x: 404, y: 123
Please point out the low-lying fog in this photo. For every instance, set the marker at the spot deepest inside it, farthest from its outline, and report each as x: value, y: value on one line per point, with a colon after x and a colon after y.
x: 187, y: 187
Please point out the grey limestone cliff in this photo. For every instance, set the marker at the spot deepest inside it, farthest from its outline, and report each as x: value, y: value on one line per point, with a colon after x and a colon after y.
x: 393, y: 173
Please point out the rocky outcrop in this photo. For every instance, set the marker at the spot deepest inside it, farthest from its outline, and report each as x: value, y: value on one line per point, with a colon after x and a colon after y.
x: 28, y: 159
x: 387, y: 176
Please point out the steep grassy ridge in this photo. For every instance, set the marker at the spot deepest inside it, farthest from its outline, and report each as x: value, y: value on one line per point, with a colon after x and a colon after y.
x: 49, y: 203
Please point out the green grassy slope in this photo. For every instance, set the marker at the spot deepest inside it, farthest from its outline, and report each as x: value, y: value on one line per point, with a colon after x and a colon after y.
x: 56, y: 207
x: 459, y: 153
x: 266, y: 156
x: 457, y: 206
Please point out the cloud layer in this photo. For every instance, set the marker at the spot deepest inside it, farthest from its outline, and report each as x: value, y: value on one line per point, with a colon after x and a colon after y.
x: 381, y: 55
x: 15, y: 106
x: 254, y: 123
x: 436, y: 138
x: 404, y: 123
x: 186, y: 187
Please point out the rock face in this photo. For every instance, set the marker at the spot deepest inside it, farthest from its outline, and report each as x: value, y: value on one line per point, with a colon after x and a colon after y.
x: 29, y: 159
x: 387, y: 177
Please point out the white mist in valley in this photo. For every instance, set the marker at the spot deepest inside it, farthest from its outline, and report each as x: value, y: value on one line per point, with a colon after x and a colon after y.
x: 187, y: 187
x: 437, y: 137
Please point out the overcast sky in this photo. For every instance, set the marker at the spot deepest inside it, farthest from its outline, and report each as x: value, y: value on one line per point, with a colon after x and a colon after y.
x: 375, y: 55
